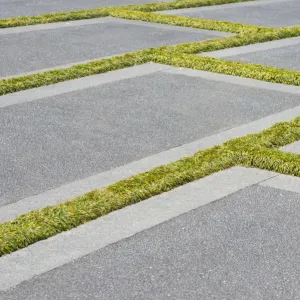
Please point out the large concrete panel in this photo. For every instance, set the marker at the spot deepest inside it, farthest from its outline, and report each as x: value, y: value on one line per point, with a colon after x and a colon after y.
x: 15, y: 8
x: 270, y: 13
x: 244, y: 246
x: 43, y: 46
x: 55, y: 140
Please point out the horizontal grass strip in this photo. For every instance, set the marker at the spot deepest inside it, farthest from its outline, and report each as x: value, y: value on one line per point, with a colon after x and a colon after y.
x: 14, y: 84
x: 105, y: 11
x: 221, y: 66
x: 179, y: 4
x: 216, y: 25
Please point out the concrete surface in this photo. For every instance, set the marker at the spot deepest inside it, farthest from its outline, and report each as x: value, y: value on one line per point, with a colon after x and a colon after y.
x: 65, y: 247
x: 286, y: 57
x: 244, y: 246
x: 27, y: 49
x: 52, y: 141
x: 16, y: 8
x: 270, y: 13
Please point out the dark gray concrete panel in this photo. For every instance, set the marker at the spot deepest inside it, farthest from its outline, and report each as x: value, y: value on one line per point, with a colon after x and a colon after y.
x: 16, y: 8
x: 53, y: 141
x: 285, y: 57
x: 39, y: 49
x: 245, y: 246
x: 263, y: 13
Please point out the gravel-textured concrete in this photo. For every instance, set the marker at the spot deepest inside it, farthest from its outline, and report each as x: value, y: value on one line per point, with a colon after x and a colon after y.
x: 52, y: 141
x: 15, y: 8
x: 38, y: 49
x: 263, y: 13
x: 286, y: 57
x: 244, y: 246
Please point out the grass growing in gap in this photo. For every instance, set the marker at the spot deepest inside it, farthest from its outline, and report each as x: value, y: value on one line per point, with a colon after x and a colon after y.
x: 105, y: 11
x: 256, y: 150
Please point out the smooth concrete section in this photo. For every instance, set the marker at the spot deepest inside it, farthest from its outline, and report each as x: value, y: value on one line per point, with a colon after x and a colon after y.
x: 65, y: 247
x: 270, y: 13
x: 253, y: 48
x: 56, y: 140
x: 284, y: 182
x: 293, y: 148
x: 16, y: 8
x: 285, y: 54
x: 38, y: 47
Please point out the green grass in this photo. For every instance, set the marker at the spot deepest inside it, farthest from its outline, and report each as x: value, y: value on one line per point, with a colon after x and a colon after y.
x: 241, y: 69
x: 224, y: 26
x: 256, y: 150
x: 105, y: 11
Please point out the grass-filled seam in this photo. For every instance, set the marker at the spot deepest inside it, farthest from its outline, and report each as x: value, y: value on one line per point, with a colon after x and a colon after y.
x: 105, y: 11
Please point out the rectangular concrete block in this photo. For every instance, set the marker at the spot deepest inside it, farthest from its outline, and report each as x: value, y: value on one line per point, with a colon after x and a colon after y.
x: 75, y: 134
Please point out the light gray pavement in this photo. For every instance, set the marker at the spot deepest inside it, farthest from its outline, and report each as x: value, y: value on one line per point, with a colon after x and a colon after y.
x: 281, y: 54
x: 31, y: 48
x: 76, y: 133
x: 235, y: 236
x: 270, y: 13
x: 16, y: 8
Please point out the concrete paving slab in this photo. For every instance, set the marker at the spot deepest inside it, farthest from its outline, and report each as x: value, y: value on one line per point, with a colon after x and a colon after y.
x: 55, y: 140
x: 270, y: 13
x: 65, y: 247
x: 16, y: 8
x: 244, y: 246
x: 281, y: 54
x: 27, y: 49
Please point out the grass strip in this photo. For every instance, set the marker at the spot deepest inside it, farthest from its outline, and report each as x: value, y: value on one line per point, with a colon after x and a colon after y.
x: 105, y: 11
x: 14, y: 84
x: 259, y: 35
x: 55, y: 17
x: 216, y: 25
x: 179, y: 4
x: 256, y: 150
x: 47, y: 222
x: 221, y: 66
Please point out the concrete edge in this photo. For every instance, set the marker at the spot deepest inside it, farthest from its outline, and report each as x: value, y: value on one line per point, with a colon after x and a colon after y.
x: 131, y: 72
x: 293, y: 148
x: 292, y: 89
x: 283, y: 182
x: 77, y: 188
x: 86, y: 22
x: 79, y: 84
x: 253, y: 48
x: 220, y: 7
x: 67, y: 246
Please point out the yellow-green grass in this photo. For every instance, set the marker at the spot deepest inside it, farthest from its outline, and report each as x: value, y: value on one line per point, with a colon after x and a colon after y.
x: 105, y: 11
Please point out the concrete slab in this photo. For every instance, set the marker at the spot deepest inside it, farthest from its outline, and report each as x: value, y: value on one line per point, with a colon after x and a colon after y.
x: 59, y: 139
x: 270, y: 13
x: 16, y: 8
x: 30, y: 48
x: 281, y: 54
x: 244, y: 246
x: 63, y: 248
